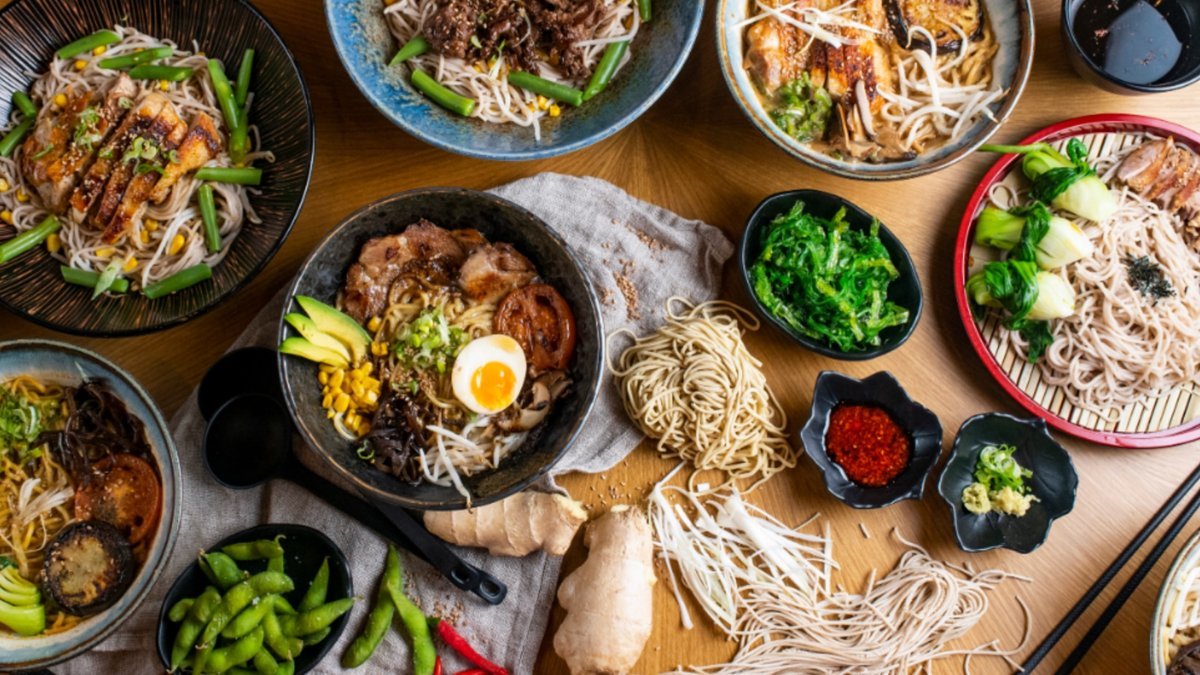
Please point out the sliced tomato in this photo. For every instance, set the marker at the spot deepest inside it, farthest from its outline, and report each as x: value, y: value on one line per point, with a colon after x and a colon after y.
x: 539, y: 318
x: 123, y: 491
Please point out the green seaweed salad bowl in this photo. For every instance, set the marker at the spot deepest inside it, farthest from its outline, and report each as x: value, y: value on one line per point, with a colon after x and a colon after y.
x: 840, y: 285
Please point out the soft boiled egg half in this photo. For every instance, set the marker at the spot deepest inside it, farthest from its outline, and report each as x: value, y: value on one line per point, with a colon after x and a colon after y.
x: 488, y: 373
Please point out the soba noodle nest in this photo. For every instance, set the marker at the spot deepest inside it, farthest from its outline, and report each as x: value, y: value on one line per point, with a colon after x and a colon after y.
x: 498, y: 101
x: 694, y: 386
x: 1120, y: 347
x: 148, y: 244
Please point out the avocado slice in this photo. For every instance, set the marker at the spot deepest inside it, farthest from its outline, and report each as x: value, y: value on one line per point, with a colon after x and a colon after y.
x: 308, y: 328
x: 298, y: 346
x: 334, y: 323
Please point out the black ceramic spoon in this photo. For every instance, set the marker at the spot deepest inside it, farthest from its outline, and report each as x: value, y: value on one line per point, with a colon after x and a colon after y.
x: 249, y: 441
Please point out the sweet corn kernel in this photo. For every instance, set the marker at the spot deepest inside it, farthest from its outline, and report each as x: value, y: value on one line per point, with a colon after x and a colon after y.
x: 176, y: 244
x: 351, y: 421
x: 4, y: 185
x: 6, y: 216
x: 150, y: 224
x: 330, y: 415
x: 144, y: 236
x: 22, y: 195
x: 106, y: 252
x: 164, y: 85
x: 60, y: 100
x: 327, y: 401
x: 99, y: 50
x: 54, y: 243
x: 358, y: 391
x: 323, y: 377
x: 374, y: 323
x: 366, y: 368
x: 542, y: 102
x: 130, y: 264
x: 364, y: 427
x: 341, y: 402
x: 336, y: 379
x: 80, y: 64
x: 372, y: 397
x: 555, y: 111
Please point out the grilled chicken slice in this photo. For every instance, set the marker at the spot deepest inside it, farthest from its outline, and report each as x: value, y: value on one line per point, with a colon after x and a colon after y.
x: 143, y: 184
x: 422, y: 248
x: 1167, y: 173
x: 493, y: 271
x: 775, y: 53
x: 1187, y: 199
x: 1171, y: 177
x: 65, y: 140
x: 470, y: 239
x: 108, y: 159
x: 202, y: 143
x: 1141, y: 167
x: 152, y: 138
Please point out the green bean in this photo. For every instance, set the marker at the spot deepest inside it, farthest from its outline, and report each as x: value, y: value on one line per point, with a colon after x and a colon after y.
x: 243, y: 79
x: 106, y: 278
x: 179, y: 610
x: 265, y: 663
x: 182, y: 279
x: 13, y: 138
x: 310, y: 640
x: 25, y: 104
x: 254, y: 550
x: 234, y: 601
x: 644, y: 10
x: 28, y: 239
x: 168, y: 73
x: 424, y: 653
x: 307, y: 623
x: 224, y: 658
x: 237, y: 175
x: 87, y: 43
x: 248, y: 619
x: 317, y: 590
x: 225, y: 571
x: 282, y: 606
x: 239, y: 138
x: 224, y: 94
x: 376, y: 624
x: 88, y: 279
x: 197, y: 618
x: 286, y: 648
x: 136, y: 58
x: 606, y: 68
x: 442, y: 96
x: 554, y: 90
x: 416, y: 46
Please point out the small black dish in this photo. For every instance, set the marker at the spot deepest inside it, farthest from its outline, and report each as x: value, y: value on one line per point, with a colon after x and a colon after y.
x: 905, y: 290
x: 249, y: 370
x: 304, y: 549
x: 1054, y: 482
x: 881, y: 389
x: 1182, y: 15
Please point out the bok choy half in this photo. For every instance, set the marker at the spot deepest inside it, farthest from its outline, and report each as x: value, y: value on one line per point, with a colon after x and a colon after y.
x: 1066, y: 182
x: 1059, y: 242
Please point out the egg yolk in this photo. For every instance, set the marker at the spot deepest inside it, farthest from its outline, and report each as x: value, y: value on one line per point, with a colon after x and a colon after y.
x: 492, y: 385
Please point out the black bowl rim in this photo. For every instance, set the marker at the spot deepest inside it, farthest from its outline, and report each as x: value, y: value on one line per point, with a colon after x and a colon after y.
x: 880, y: 385
x: 590, y: 393
x: 260, y: 265
x: 754, y: 225
x: 256, y: 531
x: 1038, y: 425
x: 1130, y: 87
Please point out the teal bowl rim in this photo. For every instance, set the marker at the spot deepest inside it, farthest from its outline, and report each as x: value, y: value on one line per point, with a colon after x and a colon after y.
x: 1190, y: 553
x: 100, y: 627
x: 343, y: 49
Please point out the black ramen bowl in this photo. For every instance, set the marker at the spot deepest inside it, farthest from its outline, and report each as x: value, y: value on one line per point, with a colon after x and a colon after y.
x: 322, y: 276
x: 1054, y: 482
x: 905, y: 290
x: 882, y: 390
x: 303, y: 551
x: 31, y: 30
x: 1184, y: 19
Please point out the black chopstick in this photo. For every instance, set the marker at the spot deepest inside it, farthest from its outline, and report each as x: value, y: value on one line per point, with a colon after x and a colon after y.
x: 1102, y: 582
x: 1130, y: 586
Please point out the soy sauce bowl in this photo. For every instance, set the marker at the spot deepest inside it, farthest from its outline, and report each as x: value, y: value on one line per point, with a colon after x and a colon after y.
x: 304, y: 549
x: 1184, y: 73
x: 883, y: 391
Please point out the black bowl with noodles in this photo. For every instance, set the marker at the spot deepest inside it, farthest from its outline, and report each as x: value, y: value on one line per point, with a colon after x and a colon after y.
x: 322, y: 277
x: 31, y: 31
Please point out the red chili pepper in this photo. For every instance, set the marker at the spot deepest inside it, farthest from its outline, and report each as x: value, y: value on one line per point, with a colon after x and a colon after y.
x: 437, y: 666
x: 459, y: 644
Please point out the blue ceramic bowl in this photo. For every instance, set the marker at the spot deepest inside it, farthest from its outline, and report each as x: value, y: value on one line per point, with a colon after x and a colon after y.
x: 65, y: 364
x: 1054, y: 482
x: 365, y: 46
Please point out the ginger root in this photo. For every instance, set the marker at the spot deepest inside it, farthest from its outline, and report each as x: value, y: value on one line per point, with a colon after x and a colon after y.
x: 609, y: 603
x: 516, y: 526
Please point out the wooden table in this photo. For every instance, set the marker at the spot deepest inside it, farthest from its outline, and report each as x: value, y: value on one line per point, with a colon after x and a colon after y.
x: 694, y: 153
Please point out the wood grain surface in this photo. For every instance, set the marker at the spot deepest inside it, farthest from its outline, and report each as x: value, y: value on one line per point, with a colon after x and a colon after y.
x: 694, y: 153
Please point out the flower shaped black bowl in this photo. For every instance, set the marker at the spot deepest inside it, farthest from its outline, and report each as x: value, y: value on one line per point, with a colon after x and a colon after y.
x: 881, y: 389
x: 905, y: 290
x: 1054, y: 482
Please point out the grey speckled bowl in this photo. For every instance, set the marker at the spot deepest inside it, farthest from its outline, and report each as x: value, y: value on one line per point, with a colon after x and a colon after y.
x: 499, y: 220
x: 657, y: 54
x: 66, y: 364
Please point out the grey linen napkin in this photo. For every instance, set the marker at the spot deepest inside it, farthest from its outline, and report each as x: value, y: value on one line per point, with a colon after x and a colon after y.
x: 638, y: 255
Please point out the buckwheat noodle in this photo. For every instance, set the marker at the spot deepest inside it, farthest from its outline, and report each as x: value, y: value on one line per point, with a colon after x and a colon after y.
x: 694, y: 386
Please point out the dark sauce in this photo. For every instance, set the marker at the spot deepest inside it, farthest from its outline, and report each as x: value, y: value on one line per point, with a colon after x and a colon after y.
x: 1135, y: 41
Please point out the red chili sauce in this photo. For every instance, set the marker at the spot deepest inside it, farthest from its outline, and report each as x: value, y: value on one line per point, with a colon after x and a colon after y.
x: 867, y: 443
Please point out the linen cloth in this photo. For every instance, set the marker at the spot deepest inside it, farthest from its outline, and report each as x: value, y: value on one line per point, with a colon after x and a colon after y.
x: 637, y: 255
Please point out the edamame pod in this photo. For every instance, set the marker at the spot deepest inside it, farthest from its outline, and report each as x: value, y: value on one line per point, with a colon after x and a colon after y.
x: 224, y: 571
x: 284, y: 647
x: 310, y: 640
x: 179, y: 610
x: 317, y: 590
x: 248, y: 619
x: 265, y: 663
x: 424, y: 653
x: 221, y: 660
x: 197, y: 618
x: 235, y: 600
x: 307, y: 623
x: 376, y: 625
x: 254, y: 550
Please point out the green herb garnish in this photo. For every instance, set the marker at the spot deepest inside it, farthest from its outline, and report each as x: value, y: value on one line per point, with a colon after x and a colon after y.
x: 997, y: 469
x: 429, y: 341
x: 802, y: 110
x: 85, y: 129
